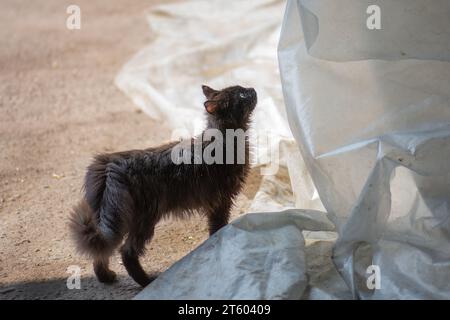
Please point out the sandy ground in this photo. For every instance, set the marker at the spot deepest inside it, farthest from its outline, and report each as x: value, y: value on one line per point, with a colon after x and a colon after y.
x: 58, y: 106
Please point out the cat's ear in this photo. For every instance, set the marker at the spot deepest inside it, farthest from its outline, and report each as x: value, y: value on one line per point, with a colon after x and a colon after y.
x: 220, y: 101
x: 211, y: 106
x: 208, y: 91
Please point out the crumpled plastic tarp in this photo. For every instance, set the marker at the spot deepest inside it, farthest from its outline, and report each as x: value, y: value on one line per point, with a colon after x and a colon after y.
x: 370, y: 112
x: 258, y: 256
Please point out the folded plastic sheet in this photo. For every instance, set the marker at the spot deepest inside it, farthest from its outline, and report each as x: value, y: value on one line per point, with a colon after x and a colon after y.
x: 370, y: 113
x: 259, y: 256
x: 370, y: 110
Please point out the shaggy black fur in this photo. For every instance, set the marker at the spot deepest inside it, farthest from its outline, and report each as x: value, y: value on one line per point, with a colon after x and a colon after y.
x: 127, y: 193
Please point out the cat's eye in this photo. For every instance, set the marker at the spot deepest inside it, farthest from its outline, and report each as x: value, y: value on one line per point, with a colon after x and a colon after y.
x: 241, y: 95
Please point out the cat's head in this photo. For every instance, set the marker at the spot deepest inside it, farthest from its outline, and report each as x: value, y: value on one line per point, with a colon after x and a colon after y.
x: 230, y: 107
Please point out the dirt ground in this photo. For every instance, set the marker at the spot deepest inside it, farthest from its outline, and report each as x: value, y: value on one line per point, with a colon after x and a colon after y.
x: 58, y: 106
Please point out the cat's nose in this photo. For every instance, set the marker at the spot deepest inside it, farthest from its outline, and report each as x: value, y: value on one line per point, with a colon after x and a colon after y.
x: 251, y: 92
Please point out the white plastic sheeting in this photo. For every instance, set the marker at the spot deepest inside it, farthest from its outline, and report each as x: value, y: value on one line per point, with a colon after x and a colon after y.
x: 370, y: 111
x: 374, y: 131
x: 260, y: 256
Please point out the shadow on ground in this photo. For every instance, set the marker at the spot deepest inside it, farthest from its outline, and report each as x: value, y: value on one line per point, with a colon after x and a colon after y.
x: 90, y: 288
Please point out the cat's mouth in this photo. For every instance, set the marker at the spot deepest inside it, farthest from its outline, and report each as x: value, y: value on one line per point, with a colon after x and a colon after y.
x: 252, y: 97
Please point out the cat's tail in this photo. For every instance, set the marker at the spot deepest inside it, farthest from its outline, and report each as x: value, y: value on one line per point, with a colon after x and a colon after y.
x: 96, y: 222
x: 88, y: 237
